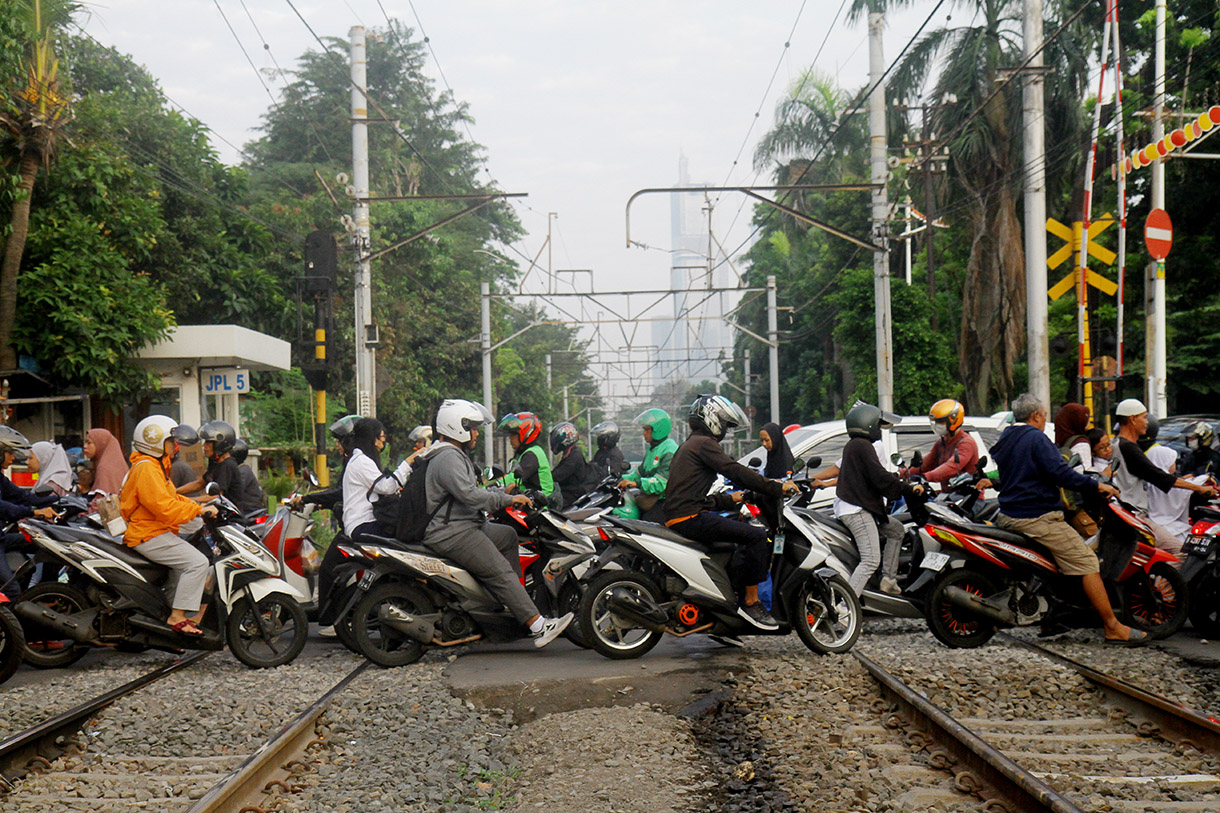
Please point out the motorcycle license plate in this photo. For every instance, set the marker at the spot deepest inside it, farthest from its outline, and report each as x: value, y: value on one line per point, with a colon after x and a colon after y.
x: 1197, y: 544
x: 934, y: 560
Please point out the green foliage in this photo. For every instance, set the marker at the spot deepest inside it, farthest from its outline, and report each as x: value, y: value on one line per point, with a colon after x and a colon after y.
x: 279, y: 413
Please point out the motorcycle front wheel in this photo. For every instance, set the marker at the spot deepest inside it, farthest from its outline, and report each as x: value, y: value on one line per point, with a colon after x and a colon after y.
x: 956, y: 626
x: 271, y: 634
x: 45, y: 648
x: 569, y: 602
x: 375, y: 638
x: 610, y: 635
x: 1158, y: 603
x: 1205, y: 604
x: 823, y: 631
x: 12, y: 643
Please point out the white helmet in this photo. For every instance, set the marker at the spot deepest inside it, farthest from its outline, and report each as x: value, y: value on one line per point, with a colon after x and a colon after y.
x: 152, y: 432
x: 457, y: 417
x: 716, y: 414
x: 419, y: 433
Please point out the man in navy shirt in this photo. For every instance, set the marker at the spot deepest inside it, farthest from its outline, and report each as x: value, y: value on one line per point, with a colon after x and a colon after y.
x: 1032, y: 471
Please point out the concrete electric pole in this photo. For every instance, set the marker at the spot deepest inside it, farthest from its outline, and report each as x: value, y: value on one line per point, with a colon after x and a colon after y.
x: 366, y: 370
x: 1034, y: 124
x: 881, y: 205
x: 1158, y: 403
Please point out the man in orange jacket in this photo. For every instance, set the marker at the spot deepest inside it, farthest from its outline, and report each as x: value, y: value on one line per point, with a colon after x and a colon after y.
x: 154, y: 510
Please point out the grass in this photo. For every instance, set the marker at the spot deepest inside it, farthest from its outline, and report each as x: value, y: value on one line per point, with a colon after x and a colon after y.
x: 492, y: 798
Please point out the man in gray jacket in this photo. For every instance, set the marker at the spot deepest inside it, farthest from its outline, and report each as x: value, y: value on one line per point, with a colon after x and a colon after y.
x: 458, y: 530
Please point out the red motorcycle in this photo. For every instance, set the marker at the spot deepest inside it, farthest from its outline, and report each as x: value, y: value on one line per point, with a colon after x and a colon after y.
x: 987, y: 578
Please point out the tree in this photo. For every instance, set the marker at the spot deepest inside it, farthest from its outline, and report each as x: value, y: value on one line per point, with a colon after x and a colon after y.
x: 35, y: 110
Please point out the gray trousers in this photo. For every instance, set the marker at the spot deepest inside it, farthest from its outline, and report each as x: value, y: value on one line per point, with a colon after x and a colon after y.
x: 864, y: 529
x: 490, y: 555
x: 189, y: 566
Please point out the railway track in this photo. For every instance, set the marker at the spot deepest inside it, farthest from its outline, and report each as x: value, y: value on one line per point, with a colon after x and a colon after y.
x: 83, y: 759
x: 1122, y: 745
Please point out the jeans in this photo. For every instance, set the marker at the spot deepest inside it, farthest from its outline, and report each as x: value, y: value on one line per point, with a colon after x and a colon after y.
x: 864, y: 529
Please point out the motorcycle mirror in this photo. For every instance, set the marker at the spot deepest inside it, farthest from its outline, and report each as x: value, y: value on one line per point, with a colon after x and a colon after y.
x: 798, y: 464
x: 624, y: 467
x: 896, y: 458
x: 917, y: 459
x: 754, y: 462
x: 212, y: 489
x: 814, y: 462
x: 312, y: 478
x: 982, y: 464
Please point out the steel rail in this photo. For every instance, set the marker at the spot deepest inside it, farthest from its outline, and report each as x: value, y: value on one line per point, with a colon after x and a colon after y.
x: 263, y: 768
x: 1177, y: 723
x: 38, y: 740
x: 1000, y: 774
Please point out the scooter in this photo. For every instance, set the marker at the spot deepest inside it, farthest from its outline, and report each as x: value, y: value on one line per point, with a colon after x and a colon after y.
x: 12, y: 641
x: 115, y: 597
x: 287, y: 536
x: 650, y: 582
x: 1201, y: 570
x: 986, y: 578
x: 414, y: 599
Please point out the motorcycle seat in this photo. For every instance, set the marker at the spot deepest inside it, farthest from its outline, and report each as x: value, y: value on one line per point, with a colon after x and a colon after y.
x: 997, y: 533
x: 828, y: 521
x: 128, y: 555
x: 659, y: 530
x: 580, y: 514
x: 391, y: 542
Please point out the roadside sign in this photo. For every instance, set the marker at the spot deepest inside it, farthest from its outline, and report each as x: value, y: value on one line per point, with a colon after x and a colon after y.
x: 1158, y: 234
x: 225, y: 381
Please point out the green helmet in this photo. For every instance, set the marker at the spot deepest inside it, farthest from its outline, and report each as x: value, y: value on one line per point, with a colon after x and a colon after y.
x: 865, y: 421
x: 658, y: 419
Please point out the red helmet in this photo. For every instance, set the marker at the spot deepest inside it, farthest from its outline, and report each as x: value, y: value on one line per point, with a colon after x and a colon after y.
x: 525, y: 425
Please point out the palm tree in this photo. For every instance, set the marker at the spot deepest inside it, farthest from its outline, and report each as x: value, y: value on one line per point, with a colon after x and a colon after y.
x: 33, y: 115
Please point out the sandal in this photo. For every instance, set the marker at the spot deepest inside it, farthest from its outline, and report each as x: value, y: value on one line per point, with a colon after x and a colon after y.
x: 1136, y: 638
x: 187, y: 627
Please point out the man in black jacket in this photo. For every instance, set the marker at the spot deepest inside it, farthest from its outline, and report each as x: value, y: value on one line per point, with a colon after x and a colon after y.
x: 689, y: 509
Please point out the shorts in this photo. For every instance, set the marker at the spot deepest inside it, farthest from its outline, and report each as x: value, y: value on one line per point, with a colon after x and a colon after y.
x: 1052, y: 531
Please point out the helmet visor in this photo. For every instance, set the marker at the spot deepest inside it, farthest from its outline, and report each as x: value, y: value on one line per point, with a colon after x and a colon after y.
x: 471, y: 422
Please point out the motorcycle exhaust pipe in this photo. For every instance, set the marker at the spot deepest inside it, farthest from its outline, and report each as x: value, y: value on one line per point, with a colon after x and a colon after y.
x: 637, y: 608
x: 48, y: 619
x: 981, y: 606
x: 407, y: 624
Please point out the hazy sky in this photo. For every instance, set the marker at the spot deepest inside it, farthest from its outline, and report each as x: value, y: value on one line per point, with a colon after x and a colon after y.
x: 577, y: 103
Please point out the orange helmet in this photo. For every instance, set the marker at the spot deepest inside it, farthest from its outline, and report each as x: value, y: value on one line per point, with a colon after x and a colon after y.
x: 525, y: 425
x: 949, y: 411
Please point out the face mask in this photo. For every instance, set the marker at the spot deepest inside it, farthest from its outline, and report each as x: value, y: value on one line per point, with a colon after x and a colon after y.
x: 1193, y: 443
x: 940, y: 429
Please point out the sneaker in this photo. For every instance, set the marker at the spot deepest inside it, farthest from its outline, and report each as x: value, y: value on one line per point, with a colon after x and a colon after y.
x: 727, y: 640
x: 890, y: 586
x: 327, y: 632
x: 552, y: 628
x: 757, y: 615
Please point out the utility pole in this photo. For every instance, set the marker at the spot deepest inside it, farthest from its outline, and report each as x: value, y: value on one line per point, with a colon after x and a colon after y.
x: 485, y: 344
x: 548, y: 372
x: 1158, y: 403
x: 550, y: 274
x: 881, y: 259
x: 1034, y: 125
x: 747, y: 383
x: 773, y: 350
x: 365, y: 338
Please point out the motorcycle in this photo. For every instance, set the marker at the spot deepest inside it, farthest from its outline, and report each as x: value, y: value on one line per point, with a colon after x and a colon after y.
x: 12, y: 641
x: 985, y: 578
x: 650, y: 582
x: 413, y: 599
x: 115, y: 597
x: 1201, y: 570
x: 287, y: 536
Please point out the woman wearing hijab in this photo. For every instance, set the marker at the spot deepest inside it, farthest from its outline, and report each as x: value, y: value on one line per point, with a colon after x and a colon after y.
x: 50, y: 462
x: 109, y: 463
x: 1071, y: 433
x: 363, y: 483
x: 779, y: 454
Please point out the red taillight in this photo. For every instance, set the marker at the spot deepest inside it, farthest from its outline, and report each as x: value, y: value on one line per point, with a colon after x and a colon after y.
x: 261, y: 520
x: 1202, y: 527
x: 26, y: 534
x: 753, y: 509
x: 602, y: 533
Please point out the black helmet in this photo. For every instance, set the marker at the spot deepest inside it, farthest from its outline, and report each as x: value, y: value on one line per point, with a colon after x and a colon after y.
x: 1149, y: 439
x: 241, y: 450
x: 563, y: 435
x: 606, y: 433
x: 866, y: 421
x: 13, y: 441
x: 220, y: 435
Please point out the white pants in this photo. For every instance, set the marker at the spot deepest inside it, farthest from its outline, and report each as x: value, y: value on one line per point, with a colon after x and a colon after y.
x: 190, y: 567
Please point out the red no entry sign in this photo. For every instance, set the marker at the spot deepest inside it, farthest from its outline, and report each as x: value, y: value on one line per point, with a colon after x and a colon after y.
x: 1158, y: 234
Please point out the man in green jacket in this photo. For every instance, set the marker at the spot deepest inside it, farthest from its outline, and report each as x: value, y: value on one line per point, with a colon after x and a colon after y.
x: 529, y: 470
x: 652, y: 475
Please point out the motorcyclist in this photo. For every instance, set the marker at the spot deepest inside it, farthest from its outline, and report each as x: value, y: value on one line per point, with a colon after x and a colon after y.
x: 218, y: 439
x: 954, y: 450
x: 529, y: 470
x: 363, y: 480
x: 571, y: 471
x: 1132, y: 469
x: 16, y: 503
x: 457, y: 528
x: 691, y: 511
x: 860, y: 493
x: 154, y: 511
x: 1204, y: 459
x: 608, y: 457
x: 420, y: 437
x: 1032, y: 472
x: 331, y: 499
x: 652, y: 475
x: 248, y: 495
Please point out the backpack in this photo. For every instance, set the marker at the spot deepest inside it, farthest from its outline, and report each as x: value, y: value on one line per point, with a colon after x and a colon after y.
x: 413, y: 514
x: 387, y: 509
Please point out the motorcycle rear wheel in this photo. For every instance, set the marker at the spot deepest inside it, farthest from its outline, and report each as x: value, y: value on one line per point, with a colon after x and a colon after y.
x: 812, y: 621
x: 1159, y: 603
x: 12, y: 643
x: 54, y: 652
x: 955, y: 626
x: 379, y: 642
x: 609, y: 635
x: 288, y: 627
x: 1205, y: 605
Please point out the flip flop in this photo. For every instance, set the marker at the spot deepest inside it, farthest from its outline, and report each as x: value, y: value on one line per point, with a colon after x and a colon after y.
x: 1136, y: 638
x: 181, y: 628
